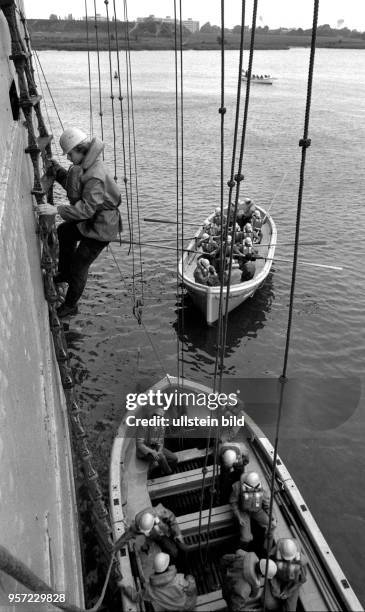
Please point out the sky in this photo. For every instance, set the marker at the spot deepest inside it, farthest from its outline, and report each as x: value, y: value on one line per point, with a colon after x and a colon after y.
x: 273, y: 13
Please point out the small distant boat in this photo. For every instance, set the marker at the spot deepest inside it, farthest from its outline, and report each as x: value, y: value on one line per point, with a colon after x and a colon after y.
x: 262, y: 79
x: 207, y: 298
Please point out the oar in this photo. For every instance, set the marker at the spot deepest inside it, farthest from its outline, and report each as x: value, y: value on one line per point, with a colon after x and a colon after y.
x: 304, y: 263
x: 258, y: 244
x: 157, y: 246
x: 171, y: 222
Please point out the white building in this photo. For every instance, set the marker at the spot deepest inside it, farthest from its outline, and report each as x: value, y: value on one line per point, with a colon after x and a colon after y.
x: 189, y: 23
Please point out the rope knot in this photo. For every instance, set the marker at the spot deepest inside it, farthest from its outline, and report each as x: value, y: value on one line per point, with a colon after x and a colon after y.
x: 231, y: 183
x: 222, y: 110
x: 305, y: 142
x: 238, y: 178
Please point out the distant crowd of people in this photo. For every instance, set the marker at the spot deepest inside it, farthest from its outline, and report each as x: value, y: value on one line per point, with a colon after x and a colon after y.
x: 256, y: 76
x: 214, y: 262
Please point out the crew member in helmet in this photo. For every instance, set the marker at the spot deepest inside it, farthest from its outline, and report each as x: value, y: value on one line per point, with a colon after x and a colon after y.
x: 256, y: 222
x: 233, y: 458
x: 166, y: 589
x: 249, y: 501
x: 150, y: 446
x: 243, y: 579
x: 202, y: 241
x: 210, y: 248
x: 92, y: 218
x: 158, y: 524
x: 205, y: 273
x: 291, y: 574
x: 245, y: 210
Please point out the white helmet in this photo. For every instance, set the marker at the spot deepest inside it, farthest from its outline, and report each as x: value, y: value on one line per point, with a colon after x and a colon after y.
x: 271, y: 570
x: 205, y: 236
x: 248, y: 241
x: 251, y: 479
x: 146, y: 522
x: 161, y: 562
x: 229, y: 457
x: 288, y: 549
x: 205, y: 263
x: 217, y: 211
x: 71, y: 138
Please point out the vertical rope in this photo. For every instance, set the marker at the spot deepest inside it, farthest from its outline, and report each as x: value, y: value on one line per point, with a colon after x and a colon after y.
x: 91, y: 127
x: 182, y: 185
x: 177, y: 174
x: 99, y: 74
x: 106, y: 2
x: 141, y: 280
x: 304, y: 143
x: 238, y: 178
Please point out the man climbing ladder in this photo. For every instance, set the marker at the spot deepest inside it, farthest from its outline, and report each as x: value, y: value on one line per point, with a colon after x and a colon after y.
x: 92, y: 218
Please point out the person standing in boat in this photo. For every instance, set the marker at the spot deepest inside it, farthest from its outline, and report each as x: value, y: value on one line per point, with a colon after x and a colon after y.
x: 249, y: 501
x: 150, y: 446
x: 291, y: 574
x: 245, y: 210
x: 166, y: 589
x: 233, y: 458
x: 243, y: 578
x: 92, y: 218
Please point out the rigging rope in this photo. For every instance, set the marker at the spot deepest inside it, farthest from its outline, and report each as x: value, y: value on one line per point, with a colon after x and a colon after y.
x: 91, y: 127
x: 99, y: 74
x: 106, y: 2
x: 304, y: 143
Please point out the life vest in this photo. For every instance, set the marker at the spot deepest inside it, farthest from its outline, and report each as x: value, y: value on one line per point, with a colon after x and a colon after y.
x: 288, y: 571
x: 251, y: 501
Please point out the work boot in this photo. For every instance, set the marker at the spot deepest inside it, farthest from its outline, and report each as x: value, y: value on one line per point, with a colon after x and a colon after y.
x: 67, y: 311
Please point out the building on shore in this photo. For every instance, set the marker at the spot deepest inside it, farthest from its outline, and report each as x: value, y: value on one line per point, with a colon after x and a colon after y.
x: 189, y: 23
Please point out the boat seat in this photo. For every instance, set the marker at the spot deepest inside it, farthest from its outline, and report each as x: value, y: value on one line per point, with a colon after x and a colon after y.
x: 178, y: 483
x: 210, y: 601
x: 192, y: 453
x: 221, y: 516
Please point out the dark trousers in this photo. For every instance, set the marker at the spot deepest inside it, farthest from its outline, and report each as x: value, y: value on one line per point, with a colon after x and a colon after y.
x: 76, y: 255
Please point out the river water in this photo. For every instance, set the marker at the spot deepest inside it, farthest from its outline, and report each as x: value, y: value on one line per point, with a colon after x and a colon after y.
x: 322, y: 434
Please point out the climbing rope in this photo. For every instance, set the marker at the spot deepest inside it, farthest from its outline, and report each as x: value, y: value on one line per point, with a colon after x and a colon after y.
x: 304, y: 143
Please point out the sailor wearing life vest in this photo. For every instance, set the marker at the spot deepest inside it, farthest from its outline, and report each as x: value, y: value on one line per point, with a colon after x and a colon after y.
x: 243, y: 578
x: 233, y: 458
x: 291, y: 574
x: 166, y: 588
x: 158, y: 524
x: 250, y: 501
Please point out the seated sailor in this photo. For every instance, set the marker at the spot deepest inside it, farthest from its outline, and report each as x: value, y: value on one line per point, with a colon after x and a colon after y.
x: 233, y: 458
x: 218, y: 217
x: 205, y: 273
x: 243, y: 579
x: 291, y: 574
x: 150, y: 446
x: 248, y: 231
x: 210, y: 248
x: 200, y: 242
x: 248, y: 270
x: 158, y: 524
x: 166, y: 589
x: 236, y: 273
x: 250, y: 501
